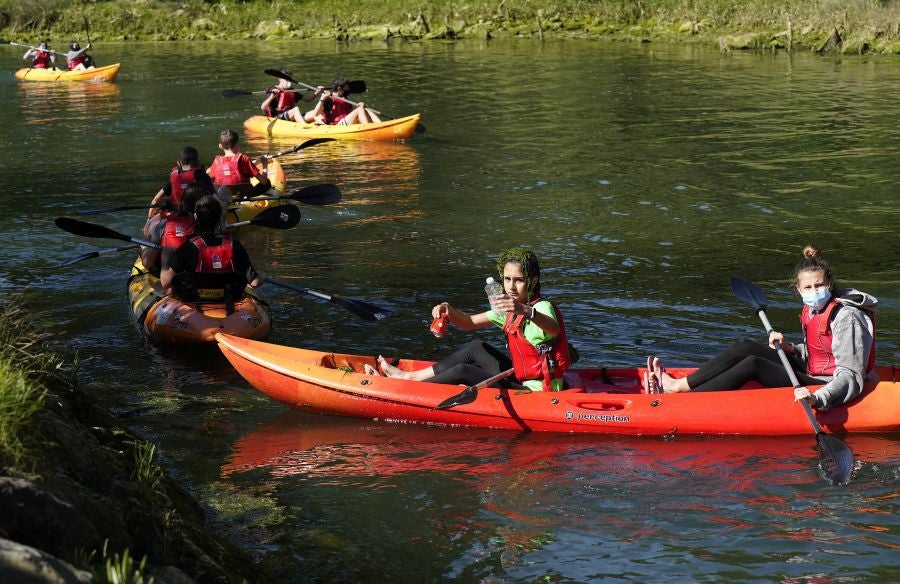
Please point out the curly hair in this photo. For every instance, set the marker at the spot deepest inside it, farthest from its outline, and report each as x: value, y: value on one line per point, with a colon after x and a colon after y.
x: 529, y: 264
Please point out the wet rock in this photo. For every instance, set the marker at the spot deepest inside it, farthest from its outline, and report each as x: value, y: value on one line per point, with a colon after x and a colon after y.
x: 25, y: 565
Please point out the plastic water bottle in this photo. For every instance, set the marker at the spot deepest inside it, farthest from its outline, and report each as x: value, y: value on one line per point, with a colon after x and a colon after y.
x: 493, y: 289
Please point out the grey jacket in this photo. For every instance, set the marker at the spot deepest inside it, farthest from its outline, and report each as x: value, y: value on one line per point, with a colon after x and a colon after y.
x: 853, y: 335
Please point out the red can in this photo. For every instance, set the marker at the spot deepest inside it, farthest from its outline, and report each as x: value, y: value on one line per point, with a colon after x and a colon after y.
x: 439, y: 325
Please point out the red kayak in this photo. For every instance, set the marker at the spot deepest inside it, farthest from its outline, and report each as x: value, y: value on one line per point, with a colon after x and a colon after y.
x: 601, y: 400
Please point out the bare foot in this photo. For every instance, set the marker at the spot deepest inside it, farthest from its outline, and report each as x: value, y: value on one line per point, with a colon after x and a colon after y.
x: 668, y: 383
x: 371, y: 370
x: 391, y: 371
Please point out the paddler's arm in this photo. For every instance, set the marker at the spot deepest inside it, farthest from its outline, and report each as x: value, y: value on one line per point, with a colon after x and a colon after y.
x: 547, y: 323
x: 460, y: 319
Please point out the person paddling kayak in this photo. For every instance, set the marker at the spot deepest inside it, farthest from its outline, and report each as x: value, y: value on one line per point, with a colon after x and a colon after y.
x: 333, y: 110
x: 535, y: 333
x: 281, y: 101
x: 78, y: 59
x: 838, y: 349
x: 234, y: 170
x: 41, y: 57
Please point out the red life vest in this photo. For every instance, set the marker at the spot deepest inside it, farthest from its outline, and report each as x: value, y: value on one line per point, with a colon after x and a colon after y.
x: 818, y: 335
x: 226, y: 170
x: 286, y: 100
x: 214, y: 258
x: 340, y: 109
x: 530, y: 362
x: 41, y: 60
x: 177, y: 230
x: 179, y: 181
x: 82, y: 58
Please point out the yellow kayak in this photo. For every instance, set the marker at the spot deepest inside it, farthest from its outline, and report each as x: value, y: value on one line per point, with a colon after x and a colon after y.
x: 397, y: 129
x: 98, y: 74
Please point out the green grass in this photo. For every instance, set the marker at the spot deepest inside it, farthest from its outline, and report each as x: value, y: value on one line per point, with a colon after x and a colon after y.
x: 873, y: 25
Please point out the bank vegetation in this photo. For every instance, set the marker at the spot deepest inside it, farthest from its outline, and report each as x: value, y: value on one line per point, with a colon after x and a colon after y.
x: 834, y: 26
x: 83, y: 499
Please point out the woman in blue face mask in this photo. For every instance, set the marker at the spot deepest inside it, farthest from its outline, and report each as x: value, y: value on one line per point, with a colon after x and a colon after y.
x: 838, y: 348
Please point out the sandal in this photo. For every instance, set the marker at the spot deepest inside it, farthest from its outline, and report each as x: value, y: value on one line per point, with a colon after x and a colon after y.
x: 649, y: 379
x: 658, y: 372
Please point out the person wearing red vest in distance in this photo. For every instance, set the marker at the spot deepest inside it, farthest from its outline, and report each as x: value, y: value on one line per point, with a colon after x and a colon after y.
x: 281, y: 101
x: 535, y: 334
x: 333, y: 110
x: 233, y: 170
x: 171, y: 230
x: 839, y: 348
x: 77, y: 58
x: 187, y: 171
x: 41, y: 57
x: 210, y: 255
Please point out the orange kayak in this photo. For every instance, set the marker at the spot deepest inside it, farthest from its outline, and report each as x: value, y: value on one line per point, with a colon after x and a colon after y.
x: 98, y: 74
x: 601, y: 400
x: 396, y: 129
x: 167, y: 319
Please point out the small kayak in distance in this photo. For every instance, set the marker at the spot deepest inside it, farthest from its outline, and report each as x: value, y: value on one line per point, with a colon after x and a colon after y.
x: 600, y: 400
x: 169, y: 320
x: 97, y: 74
x: 396, y: 129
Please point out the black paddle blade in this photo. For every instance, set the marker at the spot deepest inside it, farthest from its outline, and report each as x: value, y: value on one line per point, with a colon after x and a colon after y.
x: 749, y: 293
x: 324, y: 194
x: 357, y: 86
x: 362, y: 309
x: 466, y: 396
x: 836, y: 458
x: 420, y: 128
x: 279, y: 74
x: 166, y: 207
x: 312, y: 142
x: 235, y: 92
x: 76, y: 227
x: 5, y: 42
x: 280, y: 217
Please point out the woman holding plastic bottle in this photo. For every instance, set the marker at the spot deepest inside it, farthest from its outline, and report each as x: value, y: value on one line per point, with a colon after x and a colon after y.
x: 534, y: 328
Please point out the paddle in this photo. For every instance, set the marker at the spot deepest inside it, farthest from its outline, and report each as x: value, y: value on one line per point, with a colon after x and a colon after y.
x: 324, y: 194
x: 420, y: 129
x: 281, y: 217
x: 469, y: 394
x: 297, y: 148
x: 96, y: 254
x: 834, y: 454
x: 359, y: 308
x: 87, y: 32
x: 6, y: 42
x: 166, y: 207
x: 355, y: 87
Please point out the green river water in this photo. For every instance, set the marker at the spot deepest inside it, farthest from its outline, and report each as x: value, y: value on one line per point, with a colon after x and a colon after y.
x: 643, y: 176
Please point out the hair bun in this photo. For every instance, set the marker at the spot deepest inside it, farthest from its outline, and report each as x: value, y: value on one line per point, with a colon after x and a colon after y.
x: 811, y: 251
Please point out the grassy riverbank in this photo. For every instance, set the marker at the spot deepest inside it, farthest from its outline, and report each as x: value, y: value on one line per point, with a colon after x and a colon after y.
x: 82, y: 498
x: 846, y: 26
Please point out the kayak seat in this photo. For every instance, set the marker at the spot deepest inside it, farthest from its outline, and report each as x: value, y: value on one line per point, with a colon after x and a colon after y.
x: 203, y: 288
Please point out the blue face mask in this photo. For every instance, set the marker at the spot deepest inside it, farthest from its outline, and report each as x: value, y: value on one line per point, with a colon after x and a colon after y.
x: 816, y: 299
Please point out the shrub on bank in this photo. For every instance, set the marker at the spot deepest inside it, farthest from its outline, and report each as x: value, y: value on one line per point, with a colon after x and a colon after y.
x: 874, y: 25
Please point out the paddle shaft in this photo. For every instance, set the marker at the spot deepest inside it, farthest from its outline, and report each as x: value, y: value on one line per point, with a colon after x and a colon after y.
x: 33, y: 48
x: 87, y: 32
x: 490, y: 380
x: 789, y: 370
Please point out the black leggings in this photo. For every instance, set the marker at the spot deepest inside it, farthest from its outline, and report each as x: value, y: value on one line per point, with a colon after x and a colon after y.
x: 746, y: 361
x: 472, y: 364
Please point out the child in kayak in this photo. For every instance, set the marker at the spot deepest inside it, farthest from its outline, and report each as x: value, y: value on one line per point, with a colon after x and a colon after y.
x: 281, y: 101
x: 171, y: 230
x: 41, y: 57
x: 209, y: 259
x: 187, y: 171
x: 77, y: 58
x: 838, y: 349
x: 233, y: 170
x: 333, y: 108
x: 534, y: 329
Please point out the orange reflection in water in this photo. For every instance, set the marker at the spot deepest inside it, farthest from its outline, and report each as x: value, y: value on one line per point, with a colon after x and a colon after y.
x: 52, y: 101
